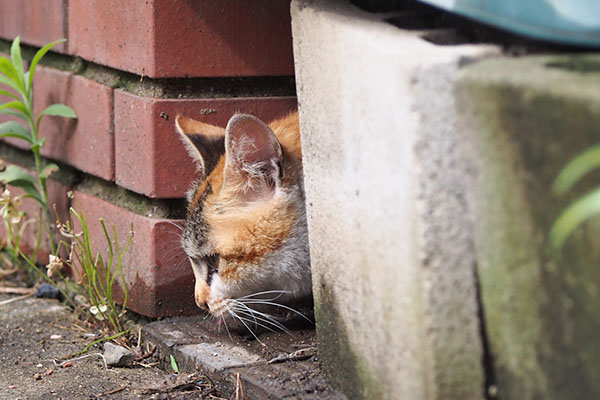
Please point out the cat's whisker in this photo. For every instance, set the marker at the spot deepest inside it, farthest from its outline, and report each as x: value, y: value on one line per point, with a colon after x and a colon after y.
x: 256, y: 323
x: 280, y: 292
x: 242, y: 321
x: 225, y: 322
x: 270, y: 303
x: 176, y: 225
x: 257, y: 315
x: 266, y: 323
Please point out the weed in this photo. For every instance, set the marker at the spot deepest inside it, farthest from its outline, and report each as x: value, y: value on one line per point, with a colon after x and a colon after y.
x: 97, y: 275
x: 20, y: 83
x: 583, y: 208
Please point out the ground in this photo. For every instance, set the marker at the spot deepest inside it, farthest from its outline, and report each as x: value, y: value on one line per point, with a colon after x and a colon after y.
x: 37, y: 334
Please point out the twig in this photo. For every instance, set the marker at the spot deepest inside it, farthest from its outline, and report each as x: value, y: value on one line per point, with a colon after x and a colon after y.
x: 86, y: 348
x: 148, y: 354
x: 239, y: 389
x: 16, y: 290
x: 298, y: 355
x: 117, y: 390
x: 6, y: 272
x: 81, y: 358
x: 149, y: 365
x: 15, y: 299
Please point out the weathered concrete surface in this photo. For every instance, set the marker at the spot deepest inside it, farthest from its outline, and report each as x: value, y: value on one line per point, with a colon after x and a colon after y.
x: 522, y: 120
x: 200, y: 345
x: 391, y: 249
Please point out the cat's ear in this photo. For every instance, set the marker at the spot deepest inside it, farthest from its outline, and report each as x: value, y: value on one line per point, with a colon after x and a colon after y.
x: 254, y: 157
x: 205, y: 143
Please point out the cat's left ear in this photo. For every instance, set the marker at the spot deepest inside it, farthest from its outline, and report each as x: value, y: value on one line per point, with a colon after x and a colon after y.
x: 205, y: 143
x: 254, y: 156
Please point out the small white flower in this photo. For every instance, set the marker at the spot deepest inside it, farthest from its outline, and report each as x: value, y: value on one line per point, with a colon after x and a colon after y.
x: 55, y: 264
x: 98, y: 311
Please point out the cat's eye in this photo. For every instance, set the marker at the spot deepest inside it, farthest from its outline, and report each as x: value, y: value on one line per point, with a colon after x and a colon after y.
x: 212, y: 260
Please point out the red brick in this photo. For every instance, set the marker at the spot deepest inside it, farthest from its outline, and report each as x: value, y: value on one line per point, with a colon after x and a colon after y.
x: 157, y: 272
x: 182, y: 38
x: 37, y: 22
x: 86, y: 143
x: 150, y: 157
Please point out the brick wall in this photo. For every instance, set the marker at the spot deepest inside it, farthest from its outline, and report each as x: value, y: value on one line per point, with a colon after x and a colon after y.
x: 128, y: 68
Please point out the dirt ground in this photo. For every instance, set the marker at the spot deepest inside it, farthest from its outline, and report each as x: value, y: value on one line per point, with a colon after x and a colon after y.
x: 36, y: 333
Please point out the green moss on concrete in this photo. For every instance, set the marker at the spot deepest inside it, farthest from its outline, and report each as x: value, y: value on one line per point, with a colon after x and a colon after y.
x: 342, y: 363
x: 524, y: 119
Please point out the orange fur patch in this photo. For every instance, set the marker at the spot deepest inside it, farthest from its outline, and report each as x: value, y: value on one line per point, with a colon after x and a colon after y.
x: 243, y: 233
x: 201, y: 294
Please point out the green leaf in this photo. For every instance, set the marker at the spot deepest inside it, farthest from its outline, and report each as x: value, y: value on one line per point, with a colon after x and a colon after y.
x: 8, y: 82
x: 582, y: 164
x: 17, y: 60
x: 37, y: 57
x: 59, y: 110
x: 9, y: 94
x: 17, y: 176
x: 49, y: 170
x: 14, y: 129
x: 8, y: 69
x: 15, y: 114
x: 574, y: 215
x: 174, y: 364
x: 15, y: 105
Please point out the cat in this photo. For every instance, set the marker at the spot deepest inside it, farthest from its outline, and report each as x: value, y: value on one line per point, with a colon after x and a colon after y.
x: 246, y: 232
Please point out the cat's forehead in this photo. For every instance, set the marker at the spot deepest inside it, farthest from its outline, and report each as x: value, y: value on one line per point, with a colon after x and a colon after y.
x: 209, y: 187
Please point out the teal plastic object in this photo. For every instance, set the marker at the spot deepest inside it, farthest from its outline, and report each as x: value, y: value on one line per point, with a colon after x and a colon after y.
x: 562, y: 21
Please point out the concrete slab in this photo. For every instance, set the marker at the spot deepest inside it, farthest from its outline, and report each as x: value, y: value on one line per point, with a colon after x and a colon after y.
x: 280, y: 366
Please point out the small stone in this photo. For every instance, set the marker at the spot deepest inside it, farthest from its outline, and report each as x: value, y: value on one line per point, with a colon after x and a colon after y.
x: 55, y: 337
x: 47, y: 291
x: 39, y: 365
x: 81, y: 301
x: 37, y: 377
x: 117, y: 356
x: 49, y: 372
x: 68, y: 364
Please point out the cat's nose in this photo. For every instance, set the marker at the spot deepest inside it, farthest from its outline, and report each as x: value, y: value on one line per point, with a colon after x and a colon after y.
x: 201, y: 304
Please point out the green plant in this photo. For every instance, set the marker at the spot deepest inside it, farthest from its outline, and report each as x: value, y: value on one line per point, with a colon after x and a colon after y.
x: 20, y: 85
x: 583, y: 208
x: 97, y: 275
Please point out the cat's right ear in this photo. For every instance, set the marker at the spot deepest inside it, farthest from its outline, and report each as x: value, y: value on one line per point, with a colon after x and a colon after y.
x: 205, y: 143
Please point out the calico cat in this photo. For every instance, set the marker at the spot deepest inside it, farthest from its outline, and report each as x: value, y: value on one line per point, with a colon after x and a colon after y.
x: 245, y: 232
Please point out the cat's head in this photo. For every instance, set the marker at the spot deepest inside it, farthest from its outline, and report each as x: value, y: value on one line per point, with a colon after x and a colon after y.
x: 245, y: 231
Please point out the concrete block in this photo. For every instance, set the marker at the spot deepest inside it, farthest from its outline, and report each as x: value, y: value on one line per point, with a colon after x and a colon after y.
x: 391, y: 249
x: 521, y: 121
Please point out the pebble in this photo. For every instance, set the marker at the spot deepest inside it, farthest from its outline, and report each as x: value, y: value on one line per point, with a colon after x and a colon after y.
x: 37, y: 377
x: 47, y: 291
x: 55, y: 337
x: 117, y: 356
